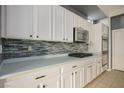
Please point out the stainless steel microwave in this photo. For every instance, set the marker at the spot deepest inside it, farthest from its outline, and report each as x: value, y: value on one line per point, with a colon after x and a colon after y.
x: 80, y: 35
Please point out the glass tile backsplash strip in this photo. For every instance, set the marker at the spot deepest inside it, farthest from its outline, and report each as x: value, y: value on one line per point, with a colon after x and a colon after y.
x: 13, y: 48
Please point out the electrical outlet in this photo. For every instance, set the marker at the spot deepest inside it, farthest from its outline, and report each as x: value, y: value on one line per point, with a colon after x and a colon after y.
x: 29, y: 48
x: 0, y: 48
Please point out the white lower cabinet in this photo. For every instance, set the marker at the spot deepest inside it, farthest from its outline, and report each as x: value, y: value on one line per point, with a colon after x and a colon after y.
x: 91, y: 72
x: 46, y: 78
x: 25, y: 82
x: 71, y: 79
x: 99, y: 67
x: 88, y: 73
x: 72, y: 75
x: 82, y: 77
x: 94, y: 70
x: 76, y: 78
x: 67, y: 80
x: 52, y: 82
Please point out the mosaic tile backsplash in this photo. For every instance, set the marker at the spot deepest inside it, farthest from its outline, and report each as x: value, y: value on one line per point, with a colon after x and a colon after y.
x: 19, y: 48
x: 0, y: 53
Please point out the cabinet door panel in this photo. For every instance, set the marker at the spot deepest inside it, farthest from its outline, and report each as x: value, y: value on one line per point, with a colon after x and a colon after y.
x: 94, y: 72
x: 99, y: 68
x: 44, y: 22
x: 76, y: 79
x: 58, y: 23
x: 68, y: 80
x: 69, y: 24
x: 82, y: 77
x: 19, y: 22
x: 76, y: 20
x: 89, y: 73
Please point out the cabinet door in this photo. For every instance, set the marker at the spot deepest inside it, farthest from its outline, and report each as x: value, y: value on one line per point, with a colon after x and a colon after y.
x: 58, y: 23
x: 67, y: 79
x: 80, y: 23
x: 25, y: 82
x: 99, y: 67
x: 94, y: 70
x: 69, y: 24
x: 52, y: 82
x: 76, y: 20
x: 44, y: 22
x: 76, y: 79
x: 19, y: 22
x: 89, y: 73
x: 82, y: 77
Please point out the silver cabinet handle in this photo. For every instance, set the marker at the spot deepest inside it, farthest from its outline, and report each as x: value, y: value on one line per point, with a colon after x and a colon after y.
x: 40, y: 77
x: 74, y: 66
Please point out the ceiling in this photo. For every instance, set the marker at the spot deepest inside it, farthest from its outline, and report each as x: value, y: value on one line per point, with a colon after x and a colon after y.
x: 112, y: 10
x: 96, y: 12
x: 92, y: 12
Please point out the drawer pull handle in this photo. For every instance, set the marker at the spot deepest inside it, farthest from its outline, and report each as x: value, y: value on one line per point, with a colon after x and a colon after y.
x: 74, y: 66
x: 40, y: 77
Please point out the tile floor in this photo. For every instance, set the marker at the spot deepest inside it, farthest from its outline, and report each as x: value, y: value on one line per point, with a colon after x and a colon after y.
x: 109, y: 79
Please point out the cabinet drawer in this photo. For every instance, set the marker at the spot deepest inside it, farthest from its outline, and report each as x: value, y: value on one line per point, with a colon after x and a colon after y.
x: 25, y: 82
x: 35, y: 75
x: 46, y: 73
x: 68, y: 67
x: 31, y: 79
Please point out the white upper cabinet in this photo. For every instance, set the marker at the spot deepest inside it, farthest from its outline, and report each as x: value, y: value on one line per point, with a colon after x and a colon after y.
x: 62, y: 24
x: 81, y: 22
x: 77, y: 21
x: 18, y: 22
x: 42, y: 22
x: 58, y: 23
x: 69, y: 25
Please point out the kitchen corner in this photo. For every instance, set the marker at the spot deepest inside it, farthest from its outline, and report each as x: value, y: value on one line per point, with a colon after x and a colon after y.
x: 49, y: 47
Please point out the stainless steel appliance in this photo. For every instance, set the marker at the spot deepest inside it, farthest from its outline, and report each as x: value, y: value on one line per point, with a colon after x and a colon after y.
x: 80, y: 35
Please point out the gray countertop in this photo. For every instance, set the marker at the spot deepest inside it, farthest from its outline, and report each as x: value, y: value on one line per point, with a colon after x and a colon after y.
x: 17, y: 65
